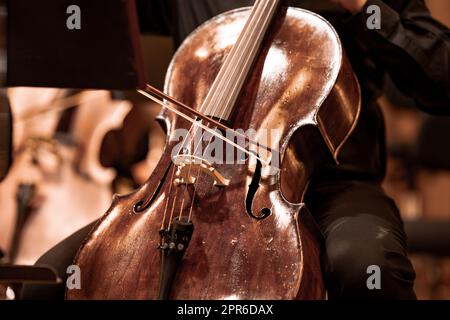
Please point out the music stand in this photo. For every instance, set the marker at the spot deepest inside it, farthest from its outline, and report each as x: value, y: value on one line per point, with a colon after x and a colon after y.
x: 28, y: 274
x: 45, y: 50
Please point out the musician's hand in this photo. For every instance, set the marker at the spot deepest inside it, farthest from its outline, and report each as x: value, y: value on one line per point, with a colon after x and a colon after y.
x: 354, y: 6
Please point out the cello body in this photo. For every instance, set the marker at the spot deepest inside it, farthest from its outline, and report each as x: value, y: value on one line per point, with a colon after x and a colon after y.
x: 302, y: 85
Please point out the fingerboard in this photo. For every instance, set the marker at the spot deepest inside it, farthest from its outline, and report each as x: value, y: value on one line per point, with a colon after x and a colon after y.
x: 221, y: 98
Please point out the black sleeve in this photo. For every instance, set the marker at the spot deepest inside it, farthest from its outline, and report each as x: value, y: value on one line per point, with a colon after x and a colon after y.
x: 155, y: 16
x: 412, y: 47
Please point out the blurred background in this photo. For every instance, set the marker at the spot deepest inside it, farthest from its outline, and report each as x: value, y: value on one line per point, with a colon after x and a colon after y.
x: 418, y: 179
x: 74, y: 149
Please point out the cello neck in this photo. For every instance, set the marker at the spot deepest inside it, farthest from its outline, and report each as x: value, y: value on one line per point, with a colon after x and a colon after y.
x: 220, y: 101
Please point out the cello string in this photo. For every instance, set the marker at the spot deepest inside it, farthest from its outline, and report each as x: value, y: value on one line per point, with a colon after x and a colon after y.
x: 173, y: 208
x: 167, y: 200
x: 193, y: 194
x: 181, y: 208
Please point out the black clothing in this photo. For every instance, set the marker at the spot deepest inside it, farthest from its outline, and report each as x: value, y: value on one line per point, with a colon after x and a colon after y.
x: 361, y: 225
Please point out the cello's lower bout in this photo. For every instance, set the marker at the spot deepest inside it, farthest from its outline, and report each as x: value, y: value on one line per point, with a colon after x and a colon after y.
x: 232, y: 255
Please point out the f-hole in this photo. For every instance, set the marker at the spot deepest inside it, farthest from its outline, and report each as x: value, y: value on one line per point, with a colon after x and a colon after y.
x: 252, y: 189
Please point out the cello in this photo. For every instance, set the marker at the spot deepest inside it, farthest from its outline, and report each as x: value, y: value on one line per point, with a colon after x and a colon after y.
x: 232, y: 230
x: 52, y: 163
